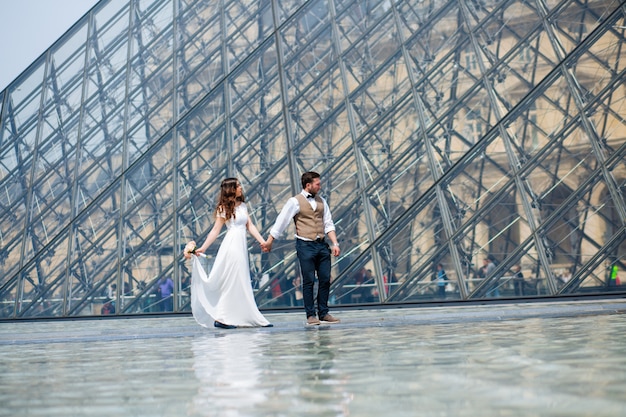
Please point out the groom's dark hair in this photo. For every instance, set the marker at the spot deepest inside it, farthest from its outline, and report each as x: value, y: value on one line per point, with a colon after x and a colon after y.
x: 308, y: 178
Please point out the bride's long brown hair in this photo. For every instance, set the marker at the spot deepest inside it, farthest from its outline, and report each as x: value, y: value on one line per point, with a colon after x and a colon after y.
x: 228, y: 198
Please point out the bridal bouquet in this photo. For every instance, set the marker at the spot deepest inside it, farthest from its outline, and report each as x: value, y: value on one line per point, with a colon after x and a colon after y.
x: 189, y: 250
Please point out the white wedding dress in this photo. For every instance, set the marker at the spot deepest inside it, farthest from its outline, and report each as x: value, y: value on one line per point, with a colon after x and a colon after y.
x: 225, y: 295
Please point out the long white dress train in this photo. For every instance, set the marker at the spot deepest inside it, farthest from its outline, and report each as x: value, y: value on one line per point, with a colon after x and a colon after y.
x: 226, y: 295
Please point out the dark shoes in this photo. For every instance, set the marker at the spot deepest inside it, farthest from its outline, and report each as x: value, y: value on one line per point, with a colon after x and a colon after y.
x: 328, y: 319
x: 224, y: 326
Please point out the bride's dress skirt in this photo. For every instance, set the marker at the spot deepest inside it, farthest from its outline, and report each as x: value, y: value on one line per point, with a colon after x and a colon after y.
x: 225, y: 294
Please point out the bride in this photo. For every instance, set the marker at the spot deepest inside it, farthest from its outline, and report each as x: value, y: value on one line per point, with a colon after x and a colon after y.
x: 225, y: 296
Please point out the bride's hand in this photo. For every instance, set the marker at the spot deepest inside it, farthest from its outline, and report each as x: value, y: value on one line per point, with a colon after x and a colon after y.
x: 189, y: 249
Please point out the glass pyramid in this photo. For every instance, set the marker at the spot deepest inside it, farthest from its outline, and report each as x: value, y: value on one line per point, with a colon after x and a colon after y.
x: 446, y: 132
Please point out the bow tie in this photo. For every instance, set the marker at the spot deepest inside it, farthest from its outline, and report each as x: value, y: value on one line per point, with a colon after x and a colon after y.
x: 307, y: 195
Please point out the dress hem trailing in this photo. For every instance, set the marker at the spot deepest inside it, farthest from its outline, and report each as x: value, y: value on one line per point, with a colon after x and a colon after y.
x: 225, y: 293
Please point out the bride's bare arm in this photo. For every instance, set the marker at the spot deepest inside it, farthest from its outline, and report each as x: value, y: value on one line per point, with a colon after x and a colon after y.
x: 254, y: 231
x: 213, y: 234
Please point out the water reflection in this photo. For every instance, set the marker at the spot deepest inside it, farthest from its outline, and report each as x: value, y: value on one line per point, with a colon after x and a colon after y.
x: 252, y: 373
x: 322, y: 384
x: 229, y: 369
x: 574, y: 366
x: 531, y: 366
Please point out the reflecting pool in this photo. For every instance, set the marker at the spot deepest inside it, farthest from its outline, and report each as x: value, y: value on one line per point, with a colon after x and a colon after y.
x: 531, y: 360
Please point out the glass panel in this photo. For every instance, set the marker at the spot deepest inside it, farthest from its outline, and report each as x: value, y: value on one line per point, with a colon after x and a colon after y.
x: 100, y: 162
x: 365, y: 58
x: 255, y: 95
x: 95, y: 252
x: 575, y: 21
x: 257, y: 81
x: 305, y: 42
x: 264, y: 149
x: 411, y: 270
x: 248, y: 24
x: 200, y: 64
x: 379, y: 94
x: 43, y: 280
x: 357, y: 285
x: 9, y: 297
x: 445, y: 133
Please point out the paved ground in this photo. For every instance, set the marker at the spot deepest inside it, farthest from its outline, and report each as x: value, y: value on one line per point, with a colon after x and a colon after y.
x: 92, y: 330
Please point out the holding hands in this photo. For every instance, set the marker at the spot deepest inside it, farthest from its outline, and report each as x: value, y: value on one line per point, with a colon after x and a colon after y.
x: 266, y: 246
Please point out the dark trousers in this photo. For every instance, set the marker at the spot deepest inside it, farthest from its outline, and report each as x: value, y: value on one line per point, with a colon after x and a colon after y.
x: 314, y: 259
x: 167, y: 304
x: 442, y: 291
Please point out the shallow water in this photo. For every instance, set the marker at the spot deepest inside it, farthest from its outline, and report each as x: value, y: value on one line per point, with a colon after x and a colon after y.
x: 555, y: 366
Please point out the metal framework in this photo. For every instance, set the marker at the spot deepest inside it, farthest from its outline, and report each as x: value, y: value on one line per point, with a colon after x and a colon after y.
x: 446, y: 132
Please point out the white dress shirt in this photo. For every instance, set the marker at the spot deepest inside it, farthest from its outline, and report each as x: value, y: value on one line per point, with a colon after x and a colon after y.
x: 291, y: 208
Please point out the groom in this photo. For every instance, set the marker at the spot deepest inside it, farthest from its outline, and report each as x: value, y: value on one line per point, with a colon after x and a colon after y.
x: 313, y: 221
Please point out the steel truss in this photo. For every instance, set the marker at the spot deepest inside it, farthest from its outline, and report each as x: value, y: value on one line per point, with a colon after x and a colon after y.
x: 445, y: 133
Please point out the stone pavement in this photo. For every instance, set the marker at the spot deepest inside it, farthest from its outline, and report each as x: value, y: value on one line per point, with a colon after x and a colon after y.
x: 183, y: 325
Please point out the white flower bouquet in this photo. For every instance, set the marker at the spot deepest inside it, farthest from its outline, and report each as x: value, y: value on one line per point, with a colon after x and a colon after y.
x: 189, y: 250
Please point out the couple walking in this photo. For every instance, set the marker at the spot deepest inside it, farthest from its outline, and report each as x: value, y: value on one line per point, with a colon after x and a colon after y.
x: 225, y: 295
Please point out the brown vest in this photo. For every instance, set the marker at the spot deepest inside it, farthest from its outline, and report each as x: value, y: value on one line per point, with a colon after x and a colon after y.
x: 309, y: 223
